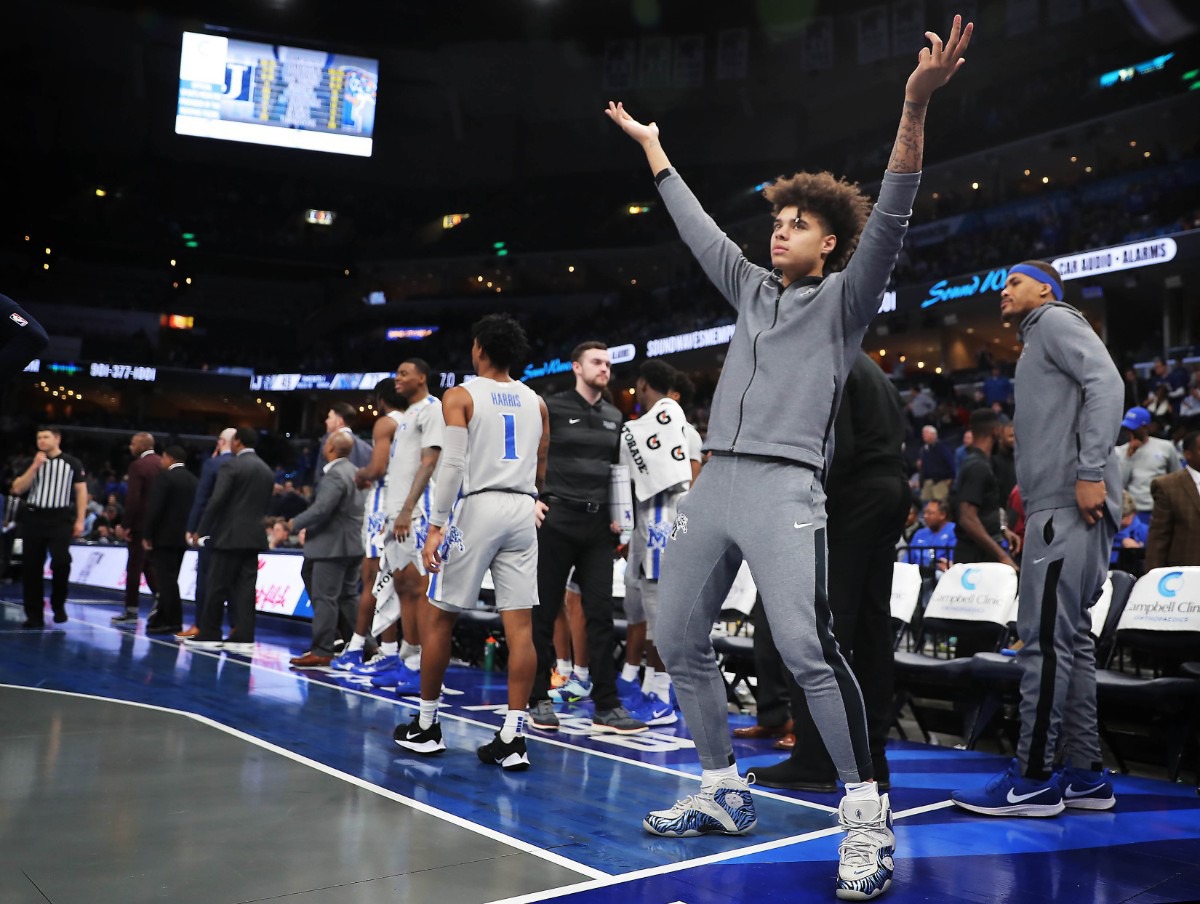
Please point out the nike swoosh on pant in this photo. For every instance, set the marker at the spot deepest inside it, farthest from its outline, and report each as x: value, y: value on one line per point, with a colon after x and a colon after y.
x: 798, y: 525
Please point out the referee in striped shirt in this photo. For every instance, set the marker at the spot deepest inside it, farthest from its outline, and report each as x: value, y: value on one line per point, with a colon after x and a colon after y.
x: 55, y: 491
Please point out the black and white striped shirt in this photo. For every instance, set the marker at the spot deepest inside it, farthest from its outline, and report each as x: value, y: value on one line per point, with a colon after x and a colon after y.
x: 54, y: 483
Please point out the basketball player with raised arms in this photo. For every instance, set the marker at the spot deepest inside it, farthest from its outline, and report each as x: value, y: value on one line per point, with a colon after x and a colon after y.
x: 799, y: 329
x: 494, y: 449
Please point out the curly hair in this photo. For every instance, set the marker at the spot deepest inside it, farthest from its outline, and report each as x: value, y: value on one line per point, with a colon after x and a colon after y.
x: 841, y: 207
x: 502, y: 339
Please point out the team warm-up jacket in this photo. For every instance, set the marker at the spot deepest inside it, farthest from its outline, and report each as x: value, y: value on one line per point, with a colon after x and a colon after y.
x: 758, y: 408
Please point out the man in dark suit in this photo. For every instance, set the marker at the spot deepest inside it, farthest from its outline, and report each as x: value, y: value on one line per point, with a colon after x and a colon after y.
x: 208, y: 480
x: 143, y: 471
x: 1175, y: 519
x: 332, y: 528
x: 233, y: 526
x: 338, y: 421
x: 170, y: 502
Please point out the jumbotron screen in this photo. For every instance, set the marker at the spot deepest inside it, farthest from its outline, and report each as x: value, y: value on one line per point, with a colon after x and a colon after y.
x: 275, y: 95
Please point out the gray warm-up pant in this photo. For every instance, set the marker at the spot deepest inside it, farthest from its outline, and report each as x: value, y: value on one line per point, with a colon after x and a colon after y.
x: 332, y: 586
x: 1063, y: 567
x: 772, y: 514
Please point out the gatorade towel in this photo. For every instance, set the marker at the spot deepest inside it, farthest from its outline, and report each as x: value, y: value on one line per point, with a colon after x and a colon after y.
x: 620, y: 497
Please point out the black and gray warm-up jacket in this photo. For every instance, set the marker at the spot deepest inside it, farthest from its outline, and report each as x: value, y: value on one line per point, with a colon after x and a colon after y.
x: 792, y: 348
x: 1069, y: 400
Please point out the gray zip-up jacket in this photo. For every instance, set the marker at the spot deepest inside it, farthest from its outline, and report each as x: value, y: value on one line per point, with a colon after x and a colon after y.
x: 1068, y: 409
x: 792, y: 348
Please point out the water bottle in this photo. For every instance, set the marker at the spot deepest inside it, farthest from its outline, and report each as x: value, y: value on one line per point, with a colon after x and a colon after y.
x: 489, y: 654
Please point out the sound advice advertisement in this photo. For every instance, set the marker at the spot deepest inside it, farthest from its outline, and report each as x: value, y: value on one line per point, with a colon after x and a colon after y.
x: 278, y: 588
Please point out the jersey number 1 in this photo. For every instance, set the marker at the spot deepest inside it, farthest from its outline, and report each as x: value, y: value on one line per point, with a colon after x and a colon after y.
x: 510, y: 438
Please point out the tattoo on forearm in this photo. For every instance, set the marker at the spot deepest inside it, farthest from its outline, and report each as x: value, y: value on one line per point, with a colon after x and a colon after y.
x: 910, y: 140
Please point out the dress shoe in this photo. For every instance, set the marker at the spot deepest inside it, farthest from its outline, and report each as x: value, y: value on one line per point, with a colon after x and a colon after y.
x: 188, y: 632
x: 792, y: 777
x: 33, y: 625
x: 787, y: 742
x: 311, y: 661
x: 60, y: 616
x: 164, y: 629
x: 762, y: 732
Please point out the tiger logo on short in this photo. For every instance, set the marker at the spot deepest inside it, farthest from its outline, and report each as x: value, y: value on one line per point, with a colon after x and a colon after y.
x: 453, y: 540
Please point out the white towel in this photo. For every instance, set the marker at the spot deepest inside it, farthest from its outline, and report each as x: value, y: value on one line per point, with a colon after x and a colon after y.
x: 655, y: 449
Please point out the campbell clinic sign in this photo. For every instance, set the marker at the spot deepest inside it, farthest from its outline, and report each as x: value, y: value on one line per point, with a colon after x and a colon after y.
x: 1120, y: 257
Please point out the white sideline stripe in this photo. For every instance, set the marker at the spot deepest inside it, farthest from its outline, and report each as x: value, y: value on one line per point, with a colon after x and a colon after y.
x: 458, y: 821
x: 611, y: 881
x: 666, y: 869
x: 412, y: 702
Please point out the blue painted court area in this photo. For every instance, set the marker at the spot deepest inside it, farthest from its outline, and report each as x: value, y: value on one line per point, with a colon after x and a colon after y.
x: 585, y: 795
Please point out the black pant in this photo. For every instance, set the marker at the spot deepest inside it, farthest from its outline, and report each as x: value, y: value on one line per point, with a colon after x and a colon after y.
x: 51, y: 530
x: 166, y: 562
x: 231, y: 576
x: 137, y: 563
x: 571, y: 538
x: 865, y: 521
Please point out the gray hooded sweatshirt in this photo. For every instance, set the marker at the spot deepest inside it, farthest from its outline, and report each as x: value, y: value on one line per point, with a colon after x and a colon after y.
x: 792, y: 349
x: 1068, y: 410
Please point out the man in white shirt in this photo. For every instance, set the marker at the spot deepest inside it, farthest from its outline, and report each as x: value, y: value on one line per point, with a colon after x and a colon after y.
x: 1143, y: 458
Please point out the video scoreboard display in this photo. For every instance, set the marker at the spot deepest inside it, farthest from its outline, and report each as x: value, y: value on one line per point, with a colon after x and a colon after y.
x: 276, y: 95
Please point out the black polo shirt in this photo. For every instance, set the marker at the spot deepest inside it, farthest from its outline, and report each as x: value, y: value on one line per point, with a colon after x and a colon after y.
x: 583, y: 444
x: 976, y: 484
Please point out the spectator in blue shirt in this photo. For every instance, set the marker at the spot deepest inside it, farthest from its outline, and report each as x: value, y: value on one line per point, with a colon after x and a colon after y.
x: 933, y: 545
x: 1133, y: 533
x: 968, y: 440
x: 997, y: 388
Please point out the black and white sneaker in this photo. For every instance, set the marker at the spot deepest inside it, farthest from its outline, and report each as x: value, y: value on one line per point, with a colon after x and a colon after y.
x: 511, y: 757
x: 412, y: 736
x: 127, y: 619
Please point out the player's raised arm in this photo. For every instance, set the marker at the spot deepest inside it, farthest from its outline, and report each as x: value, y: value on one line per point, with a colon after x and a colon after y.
x: 936, y: 65
x: 721, y: 258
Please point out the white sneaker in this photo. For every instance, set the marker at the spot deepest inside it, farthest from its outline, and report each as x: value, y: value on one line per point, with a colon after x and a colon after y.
x: 865, y: 863
x: 728, y: 809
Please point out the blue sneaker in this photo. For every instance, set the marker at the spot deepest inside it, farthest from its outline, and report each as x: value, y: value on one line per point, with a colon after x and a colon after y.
x: 866, y: 855
x: 346, y: 661
x: 1083, y: 789
x: 402, y: 678
x: 728, y: 809
x: 1008, y: 794
x: 376, y: 665
x: 573, y: 691
x: 630, y: 693
x: 657, y: 711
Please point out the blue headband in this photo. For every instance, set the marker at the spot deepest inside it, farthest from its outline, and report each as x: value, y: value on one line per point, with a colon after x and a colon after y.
x: 1040, y: 276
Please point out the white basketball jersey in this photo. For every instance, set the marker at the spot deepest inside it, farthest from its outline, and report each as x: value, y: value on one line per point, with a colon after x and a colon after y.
x: 419, y: 427
x: 502, y: 437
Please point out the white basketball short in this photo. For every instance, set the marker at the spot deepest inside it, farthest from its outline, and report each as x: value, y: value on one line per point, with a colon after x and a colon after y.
x: 374, y: 532
x: 402, y: 553
x: 488, y: 530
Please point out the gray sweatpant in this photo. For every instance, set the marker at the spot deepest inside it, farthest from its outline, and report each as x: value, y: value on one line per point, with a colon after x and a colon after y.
x: 1063, y: 567
x: 772, y: 514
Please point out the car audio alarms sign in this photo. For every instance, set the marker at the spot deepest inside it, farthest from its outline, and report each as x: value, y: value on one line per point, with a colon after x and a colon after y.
x: 1121, y: 257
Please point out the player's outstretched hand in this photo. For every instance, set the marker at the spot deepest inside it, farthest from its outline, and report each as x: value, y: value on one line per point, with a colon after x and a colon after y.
x: 937, y: 63
x: 634, y: 129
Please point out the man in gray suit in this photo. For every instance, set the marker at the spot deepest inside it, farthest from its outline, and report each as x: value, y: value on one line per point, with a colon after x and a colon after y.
x: 333, y: 549
x: 232, y: 527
